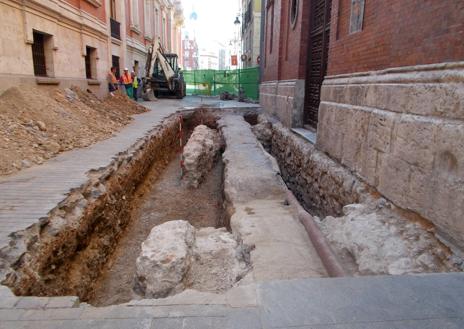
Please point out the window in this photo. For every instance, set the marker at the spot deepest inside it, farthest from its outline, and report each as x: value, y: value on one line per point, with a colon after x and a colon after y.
x: 294, y: 12
x: 38, y: 55
x: 42, y: 54
x: 115, y: 63
x: 90, y: 63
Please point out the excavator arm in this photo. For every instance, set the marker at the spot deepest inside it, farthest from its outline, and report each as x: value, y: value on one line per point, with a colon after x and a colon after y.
x: 154, y: 56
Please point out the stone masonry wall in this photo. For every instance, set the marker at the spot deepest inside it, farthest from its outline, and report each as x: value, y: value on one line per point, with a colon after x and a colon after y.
x: 321, y: 184
x: 402, y: 131
x: 284, y: 100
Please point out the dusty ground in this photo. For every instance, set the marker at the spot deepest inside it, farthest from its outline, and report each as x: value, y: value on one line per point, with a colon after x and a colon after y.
x: 36, y: 125
x: 164, y: 198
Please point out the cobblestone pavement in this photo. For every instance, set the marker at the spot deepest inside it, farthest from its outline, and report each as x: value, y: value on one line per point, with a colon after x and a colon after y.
x: 427, y: 301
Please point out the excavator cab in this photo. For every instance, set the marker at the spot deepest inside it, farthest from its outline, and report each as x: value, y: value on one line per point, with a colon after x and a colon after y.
x: 163, y: 75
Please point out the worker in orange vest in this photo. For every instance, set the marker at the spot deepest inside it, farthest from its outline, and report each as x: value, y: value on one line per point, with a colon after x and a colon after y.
x: 126, y: 80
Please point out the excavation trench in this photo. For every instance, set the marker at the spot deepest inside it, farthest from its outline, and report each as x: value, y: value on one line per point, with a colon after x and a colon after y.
x: 367, y: 233
x: 89, y: 243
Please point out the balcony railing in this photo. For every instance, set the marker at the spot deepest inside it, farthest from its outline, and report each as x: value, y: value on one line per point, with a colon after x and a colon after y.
x: 115, y: 29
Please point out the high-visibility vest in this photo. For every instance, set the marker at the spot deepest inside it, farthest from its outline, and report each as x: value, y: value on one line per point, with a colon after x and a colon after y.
x: 126, y: 79
x: 136, y: 83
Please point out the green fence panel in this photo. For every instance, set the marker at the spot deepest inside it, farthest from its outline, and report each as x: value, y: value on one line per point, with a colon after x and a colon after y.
x: 214, y: 82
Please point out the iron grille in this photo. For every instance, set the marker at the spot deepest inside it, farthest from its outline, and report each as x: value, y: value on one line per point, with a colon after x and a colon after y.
x: 115, y: 29
x: 38, y: 55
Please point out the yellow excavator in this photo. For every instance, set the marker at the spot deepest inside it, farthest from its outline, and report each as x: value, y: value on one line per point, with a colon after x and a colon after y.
x: 163, y: 76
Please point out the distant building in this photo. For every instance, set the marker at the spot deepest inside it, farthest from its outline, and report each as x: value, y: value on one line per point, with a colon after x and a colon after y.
x: 251, y: 32
x: 190, y: 53
x: 208, y: 59
x: 222, y: 59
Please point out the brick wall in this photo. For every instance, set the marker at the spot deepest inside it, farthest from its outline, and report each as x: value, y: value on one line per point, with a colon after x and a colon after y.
x: 396, y: 33
x: 288, y: 58
x: 98, y: 12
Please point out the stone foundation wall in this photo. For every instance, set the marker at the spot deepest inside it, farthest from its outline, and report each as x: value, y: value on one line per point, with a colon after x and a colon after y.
x: 402, y: 131
x: 284, y: 100
x: 321, y: 184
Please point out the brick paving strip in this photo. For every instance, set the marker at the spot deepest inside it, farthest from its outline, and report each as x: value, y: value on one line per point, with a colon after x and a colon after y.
x: 424, y: 301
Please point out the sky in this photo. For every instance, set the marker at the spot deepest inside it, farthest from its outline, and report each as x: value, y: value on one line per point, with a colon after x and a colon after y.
x: 215, y: 23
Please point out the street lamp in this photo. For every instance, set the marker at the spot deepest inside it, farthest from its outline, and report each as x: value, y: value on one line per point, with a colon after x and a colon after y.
x: 237, y: 21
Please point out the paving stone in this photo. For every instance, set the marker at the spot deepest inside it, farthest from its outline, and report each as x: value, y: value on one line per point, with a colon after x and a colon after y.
x: 11, y: 314
x: 409, y: 324
x: 5, y: 292
x: 63, y: 302
x: 247, y: 318
x: 363, y: 299
x: 53, y: 314
x: 79, y: 324
x: 8, y: 302
x: 32, y: 302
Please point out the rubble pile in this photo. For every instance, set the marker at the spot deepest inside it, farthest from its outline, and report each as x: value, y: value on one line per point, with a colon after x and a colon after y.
x: 380, y: 241
x: 37, y: 124
x: 200, y: 153
x: 176, y: 256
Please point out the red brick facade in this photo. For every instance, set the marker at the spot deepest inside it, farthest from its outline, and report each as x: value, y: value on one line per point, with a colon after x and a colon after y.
x: 98, y: 12
x: 287, y: 60
x: 396, y: 33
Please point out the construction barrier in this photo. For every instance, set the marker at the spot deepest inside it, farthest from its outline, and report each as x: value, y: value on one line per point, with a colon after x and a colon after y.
x: 214, y: 82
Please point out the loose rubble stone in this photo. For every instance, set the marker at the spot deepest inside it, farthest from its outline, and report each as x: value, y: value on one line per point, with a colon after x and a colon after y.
x: 263, y: 132
x: 175, y: 257
x: 164, y: 260
x: 41, y: 126
x: 382, y: 242
x: 199, y: 154
x: 219, y: 260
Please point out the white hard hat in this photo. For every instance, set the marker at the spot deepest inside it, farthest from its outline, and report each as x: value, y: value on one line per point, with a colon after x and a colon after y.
x: 126, y: 69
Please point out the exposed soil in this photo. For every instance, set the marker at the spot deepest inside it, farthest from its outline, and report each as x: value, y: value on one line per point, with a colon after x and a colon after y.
x: 162, y: 198
x: 37, y: 124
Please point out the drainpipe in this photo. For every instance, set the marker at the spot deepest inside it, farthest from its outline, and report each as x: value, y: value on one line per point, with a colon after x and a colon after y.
x: 326, y: 254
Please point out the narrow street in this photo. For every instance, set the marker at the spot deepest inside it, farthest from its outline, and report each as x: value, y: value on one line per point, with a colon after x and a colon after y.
x: 251, y: 164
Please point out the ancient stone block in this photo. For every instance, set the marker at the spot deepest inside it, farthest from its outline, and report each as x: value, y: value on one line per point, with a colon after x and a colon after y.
x: 199, y: 154
x: 380, y: 130
x: 413, y: 141
x: 394, y: 175
x: 165, y: 259
x: 175, y: 256
x: 355, y: 138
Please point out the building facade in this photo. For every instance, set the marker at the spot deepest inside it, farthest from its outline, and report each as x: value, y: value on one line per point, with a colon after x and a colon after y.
x: 75, y: 42
x: 190, y: 53
x: 381, y: 84
x: 251, y: 33
x: 53, y: 43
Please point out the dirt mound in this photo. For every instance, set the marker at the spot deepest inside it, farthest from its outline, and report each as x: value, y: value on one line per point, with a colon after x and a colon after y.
x: 36, y: 124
